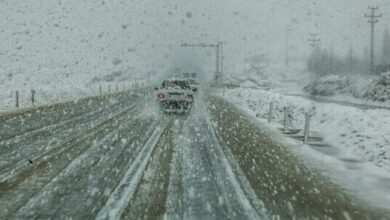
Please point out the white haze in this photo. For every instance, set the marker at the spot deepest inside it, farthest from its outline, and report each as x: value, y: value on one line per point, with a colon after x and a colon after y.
x: 86, y: 37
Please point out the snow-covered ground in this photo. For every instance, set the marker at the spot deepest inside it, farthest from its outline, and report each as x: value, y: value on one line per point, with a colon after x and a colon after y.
x: 47, y: 90
x: 296, y: 80
x: 359, y: 139
x: 50, y: 89
x: 357, y: 133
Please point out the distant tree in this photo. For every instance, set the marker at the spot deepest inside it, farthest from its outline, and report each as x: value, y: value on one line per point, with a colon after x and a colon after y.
x: 350, y: 62
x: 365, y: 63
x: 332, y: 61
x: 323, y: 62
x: 366, y: 56
x: 354, y: 64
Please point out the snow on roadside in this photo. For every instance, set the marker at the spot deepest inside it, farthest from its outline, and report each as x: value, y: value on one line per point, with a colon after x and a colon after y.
x: 55, y: 89
x: 48, y: 89
x: 361, y: 135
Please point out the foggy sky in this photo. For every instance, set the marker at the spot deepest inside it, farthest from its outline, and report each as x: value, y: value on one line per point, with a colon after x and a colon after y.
x: 85, y: 36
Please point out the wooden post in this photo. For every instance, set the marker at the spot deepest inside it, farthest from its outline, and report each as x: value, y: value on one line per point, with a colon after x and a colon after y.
x: 271, y: 108
x: 100, y: 89
x: 17, y: 98
x: 109, y: 88
x: 307, y: 126
x: 33, y: 97
x: 285, y: 119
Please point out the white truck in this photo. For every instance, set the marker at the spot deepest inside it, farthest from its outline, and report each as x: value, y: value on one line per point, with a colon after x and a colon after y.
x: 175, y: 96
x: 194, y: 84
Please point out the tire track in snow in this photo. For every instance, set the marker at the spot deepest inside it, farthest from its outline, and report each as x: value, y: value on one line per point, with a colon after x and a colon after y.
x: 21, y: 165
x: 26, y: 146
x: 173, y: 205
x: 239, y: 180
x: 81, y: 189
x: 58, y: 167
x: 17, y: 138
x: 38, y: 119
x: 289, y: 189
x: 151, y: 193
x: 202, y: 183
x: 123, y: 193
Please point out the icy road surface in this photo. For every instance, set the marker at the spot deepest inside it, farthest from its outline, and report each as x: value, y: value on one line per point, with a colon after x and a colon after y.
x: 118, y: 157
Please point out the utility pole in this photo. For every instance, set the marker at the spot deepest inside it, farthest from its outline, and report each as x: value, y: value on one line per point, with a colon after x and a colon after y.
x: 372, y: 20
x: 218, y: 58
x: 221, y: 68
x: 217, y: 63
x: 314, y: 40
x: 288, y: 29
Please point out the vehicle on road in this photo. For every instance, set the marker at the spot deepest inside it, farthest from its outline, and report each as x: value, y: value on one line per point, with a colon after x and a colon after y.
x: 194, y: 84
x: 175, y: 95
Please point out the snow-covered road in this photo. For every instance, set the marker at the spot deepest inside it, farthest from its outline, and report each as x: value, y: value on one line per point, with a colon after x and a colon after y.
x: 118, y: 157
x: 206, y: 184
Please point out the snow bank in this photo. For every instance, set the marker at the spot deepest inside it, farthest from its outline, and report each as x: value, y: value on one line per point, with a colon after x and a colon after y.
x: 48, y: 88
x: 379, y: 90
x: 361, y: 135
x: 328, y: 85
x: 51, y: 87
x: 363, y: 87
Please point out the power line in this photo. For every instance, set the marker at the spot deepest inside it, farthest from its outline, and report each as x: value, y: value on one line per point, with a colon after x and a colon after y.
x: 372, y: 20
